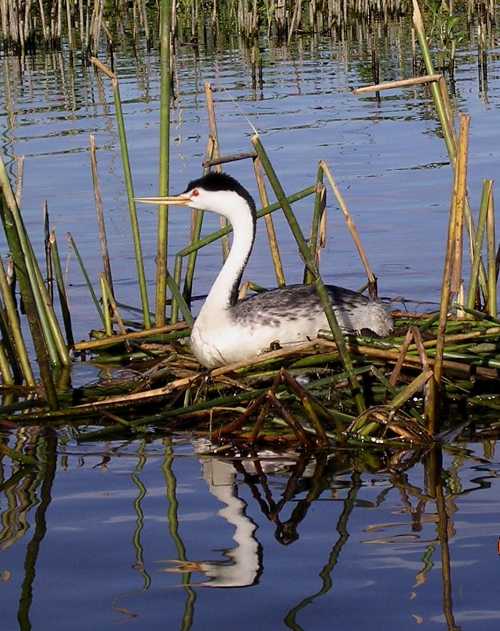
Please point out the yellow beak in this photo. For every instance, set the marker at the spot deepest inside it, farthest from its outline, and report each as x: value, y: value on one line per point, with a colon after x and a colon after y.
x: 176, y: 200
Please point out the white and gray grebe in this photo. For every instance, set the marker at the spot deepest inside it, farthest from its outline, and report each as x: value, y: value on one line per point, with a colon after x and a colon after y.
x: 227, y: 330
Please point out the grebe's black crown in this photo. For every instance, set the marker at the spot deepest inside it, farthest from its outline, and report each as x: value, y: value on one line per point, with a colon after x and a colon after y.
x: 214, y: 182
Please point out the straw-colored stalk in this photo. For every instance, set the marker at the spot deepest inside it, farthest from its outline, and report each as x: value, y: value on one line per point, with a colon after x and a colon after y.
x: 19, y: 179
x: 15, y: 328
x: 402, y: 83
x: 492, y: 268
x: 456, y: 215
x: 459, y: 200
x: 103, y: 241
x: 162, y: 236
x: 372, y: 279
x: 271, y: 232
x: 309, y: 260
x: 214, y: 136
x: 95, y: 345
x: 413, y: 335
x: 127, y: 173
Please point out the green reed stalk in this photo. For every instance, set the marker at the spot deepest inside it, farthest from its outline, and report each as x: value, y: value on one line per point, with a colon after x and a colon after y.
x: 61, y: 289
x: 179, y: 298
x: 311, y: 265
x: 34, y: 278
x: 108, y: 325
x: 53, y: 323
x: 436, y: 93
x: 162, y: 243
x: 85, y: 275
x: 10, y: 348
x: 478, y: 243
x: 174, y: 317
x: 492, y: 268
x: 5, y: 369
x: 127, y: 174
x: 16, y: 238
x: 443, y: 110
x: 319, y: 209
x: 15, y: 328
x: 213, y: 236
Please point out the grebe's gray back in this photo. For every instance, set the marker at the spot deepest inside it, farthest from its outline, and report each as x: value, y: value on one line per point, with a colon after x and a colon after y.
x: 227, y: 330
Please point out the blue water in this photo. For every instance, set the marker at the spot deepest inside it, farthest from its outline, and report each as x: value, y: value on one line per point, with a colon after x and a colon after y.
x: 358, y: 540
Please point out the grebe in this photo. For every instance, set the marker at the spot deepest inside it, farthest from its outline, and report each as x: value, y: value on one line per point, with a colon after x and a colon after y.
x: 227, y: 330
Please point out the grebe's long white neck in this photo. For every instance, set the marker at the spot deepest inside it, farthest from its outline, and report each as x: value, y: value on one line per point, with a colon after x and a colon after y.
x: 224, y: 292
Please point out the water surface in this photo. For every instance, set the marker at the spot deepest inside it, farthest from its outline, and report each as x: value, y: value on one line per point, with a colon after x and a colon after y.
x: 346, y: 540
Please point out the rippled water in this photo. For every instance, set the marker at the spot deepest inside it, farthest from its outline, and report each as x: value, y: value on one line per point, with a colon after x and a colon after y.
x: 345, y: 541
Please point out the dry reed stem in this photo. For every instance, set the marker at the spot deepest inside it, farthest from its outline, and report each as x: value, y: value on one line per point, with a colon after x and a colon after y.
x: 459, y: 197
x: 234, y: 157
x: 372, y: 279
x: 103, y: 242
x: 402, y: 83
x: 446, y: 289
x: 215, y: 153
x: 92, y: 345
x: 271, y: 232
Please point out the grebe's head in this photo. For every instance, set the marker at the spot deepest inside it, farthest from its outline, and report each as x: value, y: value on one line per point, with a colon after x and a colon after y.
x: 216, y: 192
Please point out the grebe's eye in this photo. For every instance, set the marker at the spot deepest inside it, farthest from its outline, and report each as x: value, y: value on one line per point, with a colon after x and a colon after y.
x: 195, y: 193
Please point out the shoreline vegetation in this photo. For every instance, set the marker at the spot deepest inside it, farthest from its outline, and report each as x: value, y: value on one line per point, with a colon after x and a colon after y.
x: 420, y: 386
x: 29, y: 26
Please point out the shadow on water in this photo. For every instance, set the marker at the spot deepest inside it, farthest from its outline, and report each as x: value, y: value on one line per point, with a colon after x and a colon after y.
x: 255, y: 499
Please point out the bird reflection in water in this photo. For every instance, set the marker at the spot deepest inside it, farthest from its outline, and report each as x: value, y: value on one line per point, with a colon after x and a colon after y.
x: 242, y: 565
